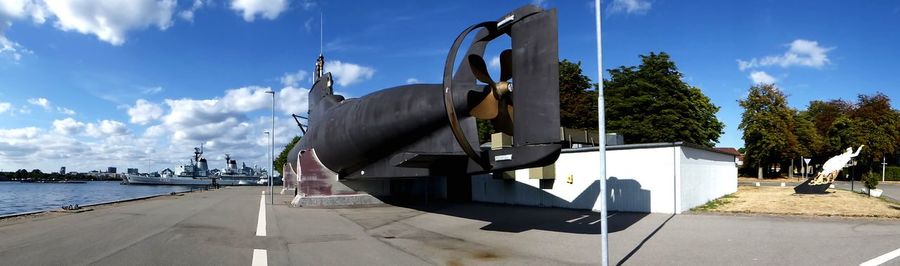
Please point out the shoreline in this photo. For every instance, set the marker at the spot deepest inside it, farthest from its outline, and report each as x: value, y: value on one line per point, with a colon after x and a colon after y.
x: 93, y: 204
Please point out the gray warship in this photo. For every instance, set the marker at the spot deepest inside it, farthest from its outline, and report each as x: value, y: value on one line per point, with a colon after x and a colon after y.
x: 243, y: 176
x: 196, y: 173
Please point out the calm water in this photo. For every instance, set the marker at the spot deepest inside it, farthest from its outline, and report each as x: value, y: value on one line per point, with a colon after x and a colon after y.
x: 25, y: 197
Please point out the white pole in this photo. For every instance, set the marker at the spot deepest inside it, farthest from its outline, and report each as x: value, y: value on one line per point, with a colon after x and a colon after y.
x: 272, y: 154
x: 883, y: 164
x: 601, y: 143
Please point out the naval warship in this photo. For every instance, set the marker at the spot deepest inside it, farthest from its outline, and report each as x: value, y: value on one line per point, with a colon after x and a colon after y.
x: 196, y: 173
x: 243, y: 176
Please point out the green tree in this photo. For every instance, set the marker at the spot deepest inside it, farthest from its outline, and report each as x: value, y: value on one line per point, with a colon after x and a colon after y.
x: 651, y: 103
x: 876, y: 125
x: 768, y: 125
x: 282, y: 157
x: 577, y: 100
x: 823, y: 113
x: 21, y: 174
x: 36, y: 174
x: 810, y: 142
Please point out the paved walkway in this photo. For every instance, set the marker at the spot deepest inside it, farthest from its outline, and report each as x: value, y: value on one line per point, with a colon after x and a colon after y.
x: 223, y: 228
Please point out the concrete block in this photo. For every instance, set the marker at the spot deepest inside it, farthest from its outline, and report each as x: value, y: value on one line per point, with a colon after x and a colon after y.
x: 500, y: 141
x: 546, y: 172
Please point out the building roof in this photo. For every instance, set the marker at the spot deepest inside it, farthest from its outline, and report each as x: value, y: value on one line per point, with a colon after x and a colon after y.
x: 653, y: 145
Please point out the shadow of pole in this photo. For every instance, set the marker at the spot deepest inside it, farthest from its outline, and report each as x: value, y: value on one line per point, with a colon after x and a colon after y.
x: 638, y: 247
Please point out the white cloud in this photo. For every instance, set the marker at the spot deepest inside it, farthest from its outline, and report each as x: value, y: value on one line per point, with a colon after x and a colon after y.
x: 65, y: 111
x: 9, y: 48
x: 110, y: 20
x: 155, y: 131
x: 4, y: 107
x: 630, y: 6
x: 246, y: 99
x: 307, y: 4
x: 68, y: 126
x: 293, y: 100
x: 106, y: 128
x: 308, y: 24
x: 230, y: 123
x: 151, y: 90
x: 144, y: 112
x: 42, y: 102
x: 249, y: 9
x: 412, y: 80
x: 293, y: 79
x: 18, y: 133
x: 188, y: 14
x: 761, y: 77
x: 800, y: 53
x: 346, y: 74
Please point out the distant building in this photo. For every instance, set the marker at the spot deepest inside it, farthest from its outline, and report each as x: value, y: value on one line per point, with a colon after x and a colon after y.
x: 62, y: 170
x: 132, y: 171
x: 111, y: 170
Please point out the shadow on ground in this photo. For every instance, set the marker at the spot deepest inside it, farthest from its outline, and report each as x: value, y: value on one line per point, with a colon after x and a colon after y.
x: 515, y: 219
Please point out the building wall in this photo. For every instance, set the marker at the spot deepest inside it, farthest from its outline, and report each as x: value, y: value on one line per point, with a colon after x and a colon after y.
x: 705, y: 176
x: 660, y: 179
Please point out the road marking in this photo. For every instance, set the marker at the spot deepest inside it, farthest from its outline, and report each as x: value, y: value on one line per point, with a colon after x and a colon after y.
x: 260, y: 258
x: 882, y: 259
x: 597, y: 221
x: 576, y: 219
x: 261, y: 221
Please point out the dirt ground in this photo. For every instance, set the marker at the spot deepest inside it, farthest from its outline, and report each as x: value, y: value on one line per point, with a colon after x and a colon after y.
x: 782, y: 200
x: 785, y: 179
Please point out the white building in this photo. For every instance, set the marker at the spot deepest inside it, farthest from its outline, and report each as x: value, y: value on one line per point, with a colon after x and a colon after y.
x: 656, y: 177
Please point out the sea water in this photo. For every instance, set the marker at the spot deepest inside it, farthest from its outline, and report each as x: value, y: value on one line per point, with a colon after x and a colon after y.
x: 18, y: 197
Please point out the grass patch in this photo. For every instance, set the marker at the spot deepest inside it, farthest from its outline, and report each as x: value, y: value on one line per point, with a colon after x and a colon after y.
x: 712, y: 205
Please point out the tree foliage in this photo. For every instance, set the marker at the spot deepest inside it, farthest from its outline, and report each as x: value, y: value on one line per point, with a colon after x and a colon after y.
x: 823, y: 130
x: 768, y: 125
x: 282, y: 157
x: 651, y: 103
x: 577, y: 102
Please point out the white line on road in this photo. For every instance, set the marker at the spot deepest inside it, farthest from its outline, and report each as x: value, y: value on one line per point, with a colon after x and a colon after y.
x: 576, y: 219
x: 261, y: 221
x: 882, y: 259
x: 260, y: 258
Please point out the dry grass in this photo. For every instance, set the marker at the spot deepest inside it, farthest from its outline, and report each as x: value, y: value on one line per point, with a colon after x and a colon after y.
x: 782, y: 200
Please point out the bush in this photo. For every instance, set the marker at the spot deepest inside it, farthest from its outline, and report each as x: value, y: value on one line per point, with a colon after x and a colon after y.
x: 892, y: 173
x: 871, y: 180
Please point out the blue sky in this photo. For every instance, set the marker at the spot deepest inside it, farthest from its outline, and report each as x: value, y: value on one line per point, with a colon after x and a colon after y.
x: 90, y: 84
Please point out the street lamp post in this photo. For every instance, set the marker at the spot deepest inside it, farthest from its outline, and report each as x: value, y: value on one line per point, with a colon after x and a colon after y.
x: 601, y: 141
x: 272, y: 151
x: 267, y: 133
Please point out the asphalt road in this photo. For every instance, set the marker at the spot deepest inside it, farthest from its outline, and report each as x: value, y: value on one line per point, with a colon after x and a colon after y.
x: 891, y: 190
x: 220, y: 228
